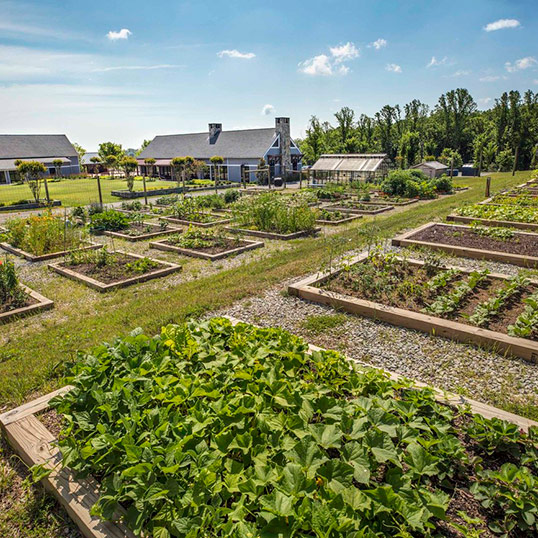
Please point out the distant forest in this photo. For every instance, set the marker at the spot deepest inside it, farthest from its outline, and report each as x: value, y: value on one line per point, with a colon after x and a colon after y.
x: 503, y: 138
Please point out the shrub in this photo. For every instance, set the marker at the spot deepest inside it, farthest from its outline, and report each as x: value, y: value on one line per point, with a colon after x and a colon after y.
x: 108, y: 221
x: 231, y: 196
x: 443, y: 184
x: 272, y: 213
x: 43, y: 234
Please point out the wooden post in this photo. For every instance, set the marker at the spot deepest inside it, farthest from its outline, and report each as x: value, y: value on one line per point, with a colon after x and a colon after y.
x: 99, y: 191
x: 145, y: 190
x: 47, y: 190
x: 488, y: 186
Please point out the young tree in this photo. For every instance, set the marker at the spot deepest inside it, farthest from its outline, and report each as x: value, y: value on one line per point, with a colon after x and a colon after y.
x: 57, y: 163
x: 144, y: 145
x: 96, y: 161
x: 31, y: 172
x: 80, y: 152
x: 108, y: 149
x: 178, y: 167
x: 216, y: 161
x: 112, y: 162
x: 150, y: 163
x: 129, y: 165
x: 262, y: 177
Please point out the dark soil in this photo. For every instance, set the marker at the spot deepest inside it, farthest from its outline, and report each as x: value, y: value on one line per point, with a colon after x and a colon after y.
x: 13, y: 305
x: 522, y: 244
x: 136, y: 229
x: 111, y: 273
x: 410, y: 294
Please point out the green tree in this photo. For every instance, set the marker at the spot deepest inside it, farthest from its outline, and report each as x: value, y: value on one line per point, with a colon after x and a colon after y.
x: 178, y: 169
x: 80, y: 152
x: 262, y: 177
x: 505, y: 160
x: 32, y: 172
x: 57, y: 163
x: 216, y: 162
x: 129, y: 165
x: 345, y: 118
x: 144, y: 145
x: 107, y: 149
x: 313, y: 144
x: 150, y: 164
x: 451, y: 158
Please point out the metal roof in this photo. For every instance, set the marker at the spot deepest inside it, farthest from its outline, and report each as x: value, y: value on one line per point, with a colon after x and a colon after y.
x: 436, y: 165
x: 35, y: 146
x: 353, y: 162
x: 244, y: 144
x: 9, y: 164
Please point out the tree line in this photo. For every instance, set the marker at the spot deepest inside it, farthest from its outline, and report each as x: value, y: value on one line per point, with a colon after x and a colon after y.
x: 503, y: 138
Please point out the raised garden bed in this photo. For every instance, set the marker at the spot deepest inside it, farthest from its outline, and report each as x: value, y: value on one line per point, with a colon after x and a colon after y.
x: 212, y: 248
x: 345, y: 451
x: 43, y: 257
x: 117, y: 274
x: 360, y: 209
x: 29, y: 205
x: 129, y: 195
x: 140, y: 231
x: 212, y: 220
x: 490, y: 222
x: 390, y: 201
x: 440, y: 300
x: 518, y: 248
x: 35, y: 303
x: 331, y: 217
x: 273, y: 235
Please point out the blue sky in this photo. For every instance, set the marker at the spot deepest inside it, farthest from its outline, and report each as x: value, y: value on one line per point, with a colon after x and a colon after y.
x: 125, y: 71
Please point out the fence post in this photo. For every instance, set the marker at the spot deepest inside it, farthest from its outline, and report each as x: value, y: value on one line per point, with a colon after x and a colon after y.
x: 47, y: 190
x: 145, y: 190
x: 99, y: 190
x: 488, y: 186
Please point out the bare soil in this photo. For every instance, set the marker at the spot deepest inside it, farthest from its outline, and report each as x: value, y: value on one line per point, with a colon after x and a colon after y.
x: 223, y: 245
x: 522, y: 244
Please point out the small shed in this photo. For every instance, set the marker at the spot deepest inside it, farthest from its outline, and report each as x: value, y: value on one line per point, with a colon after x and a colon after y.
x: 469, y: 169
x: 371, y: 166
x: 432, y: 168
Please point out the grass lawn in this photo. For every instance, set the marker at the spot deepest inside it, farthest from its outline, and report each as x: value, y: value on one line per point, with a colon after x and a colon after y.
x: 73, y: 192
x: 34, y: 351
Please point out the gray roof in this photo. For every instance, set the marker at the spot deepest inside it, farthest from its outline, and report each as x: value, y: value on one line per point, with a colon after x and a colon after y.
x: 87, y: 156
x: 35, y: 146
x: 352, y: 162
x: 244, y: 144
x: 436, y: 165
x: 9, y: 164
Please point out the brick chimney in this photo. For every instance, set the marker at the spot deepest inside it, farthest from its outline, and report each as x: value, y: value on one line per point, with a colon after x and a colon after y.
x: 282, y: 127
x: 214, y: 131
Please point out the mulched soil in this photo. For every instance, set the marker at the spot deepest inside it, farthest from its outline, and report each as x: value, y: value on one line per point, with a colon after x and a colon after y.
x: 10, y: 305
x: 522, y: 244
x: 143, y: 228
x: 109, y: 274
x: 224, y: 245
x: 414, y: 298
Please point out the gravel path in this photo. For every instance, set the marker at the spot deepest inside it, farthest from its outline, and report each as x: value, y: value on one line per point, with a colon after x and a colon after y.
x: 478, y: 373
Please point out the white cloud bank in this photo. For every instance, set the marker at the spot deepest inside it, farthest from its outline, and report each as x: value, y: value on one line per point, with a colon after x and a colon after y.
x: 521, y: 64
x: 267, y: 110
x: 502, y: 24
x: 234, y: 53
x: 378, y: 44
x: 122, y: 34
x: 393, y: 68
x: 330, y: 64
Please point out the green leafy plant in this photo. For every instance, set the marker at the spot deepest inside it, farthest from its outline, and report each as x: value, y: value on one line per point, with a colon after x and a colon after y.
x: 141, y: 266
x: 494, y: 212
x: 11, y: 294
x: 109, y: 220
x: 526, y: 325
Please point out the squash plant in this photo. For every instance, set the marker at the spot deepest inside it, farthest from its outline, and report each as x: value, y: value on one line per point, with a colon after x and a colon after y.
x: 210, y: 429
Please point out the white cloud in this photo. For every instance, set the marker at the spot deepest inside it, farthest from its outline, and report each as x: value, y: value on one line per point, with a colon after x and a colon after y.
x: 460, y: 73
x: 136, y: 68
x: 267, y: 110
x: 485, y: 100
x: 318, y: 65
x: 345, y: 52
x: 535, y: 81
x: 122, y: 34
x: 522, y: 63
x: 394, y: 68
x: 378, y: 43
x: 434, y: 62
x: 489, y: 78
x: 234, y: 53
x: 330, y: 64
x: 502, y: 24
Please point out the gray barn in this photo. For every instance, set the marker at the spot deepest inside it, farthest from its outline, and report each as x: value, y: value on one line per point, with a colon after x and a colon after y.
x: 42, y: 148
x: 240, y: 149
x: 432, y: 168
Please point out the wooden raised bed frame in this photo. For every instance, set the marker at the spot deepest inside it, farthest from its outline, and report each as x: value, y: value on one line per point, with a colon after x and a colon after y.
x: 454, y: 330
x: 30, y: 257
x: 150, y: 235
x: 35, y: 444
x: 405, y: 240
x: 217, y: 222
x: 161, y: 245
x: 343, y: 209
x: 530, y: 226
x: 42, y: 304
x: 350, y: 218
x: 102, y: 287
x: 272, y: 235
